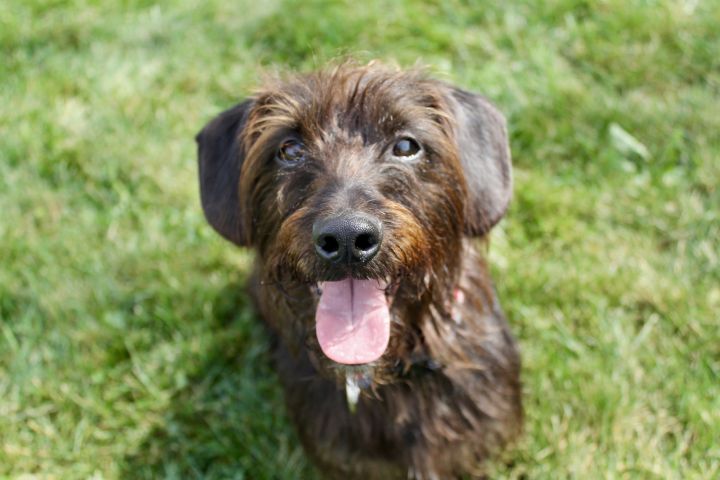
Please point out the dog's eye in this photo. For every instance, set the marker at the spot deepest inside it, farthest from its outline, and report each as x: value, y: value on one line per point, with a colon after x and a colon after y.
x: 406, y: 148
x: 291, y: 152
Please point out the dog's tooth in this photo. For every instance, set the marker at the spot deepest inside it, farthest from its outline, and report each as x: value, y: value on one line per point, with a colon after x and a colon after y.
x: 352, y: 392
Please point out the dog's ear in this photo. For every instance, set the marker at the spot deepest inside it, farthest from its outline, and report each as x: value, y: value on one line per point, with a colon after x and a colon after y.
x: 482, y: 143
x: 220, y: 159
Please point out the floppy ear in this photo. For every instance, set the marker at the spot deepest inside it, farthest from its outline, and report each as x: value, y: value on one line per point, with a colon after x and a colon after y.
x: 484, y: 151
x: 220, y: 158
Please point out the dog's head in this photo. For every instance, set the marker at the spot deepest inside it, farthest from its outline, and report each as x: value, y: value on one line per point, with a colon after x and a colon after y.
x: 360, y: 182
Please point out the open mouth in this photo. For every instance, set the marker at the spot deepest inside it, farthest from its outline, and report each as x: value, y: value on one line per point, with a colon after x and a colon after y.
x: 352, y: 321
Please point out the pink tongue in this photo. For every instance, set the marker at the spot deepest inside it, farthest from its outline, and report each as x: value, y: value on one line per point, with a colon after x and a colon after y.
x: 353, y: 320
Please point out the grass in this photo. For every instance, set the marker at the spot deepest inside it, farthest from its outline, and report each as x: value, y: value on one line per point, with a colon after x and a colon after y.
x: 127, y: 347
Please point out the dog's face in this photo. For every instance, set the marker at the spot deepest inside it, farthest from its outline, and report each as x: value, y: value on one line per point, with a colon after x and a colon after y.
x: 357, y: 184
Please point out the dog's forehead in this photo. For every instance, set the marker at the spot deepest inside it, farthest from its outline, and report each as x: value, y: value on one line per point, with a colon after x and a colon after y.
x: 347, y: 103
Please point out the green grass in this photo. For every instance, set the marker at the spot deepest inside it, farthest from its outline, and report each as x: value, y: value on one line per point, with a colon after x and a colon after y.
x: 127, y: 348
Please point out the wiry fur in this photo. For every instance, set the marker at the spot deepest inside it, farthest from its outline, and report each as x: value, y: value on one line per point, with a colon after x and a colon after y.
x: 446, y: 393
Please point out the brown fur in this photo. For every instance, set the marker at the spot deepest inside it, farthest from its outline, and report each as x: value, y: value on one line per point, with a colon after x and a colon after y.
x: 446, y: 393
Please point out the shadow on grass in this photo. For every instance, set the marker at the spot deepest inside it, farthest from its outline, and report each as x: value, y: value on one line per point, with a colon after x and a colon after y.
x: 229, y: 420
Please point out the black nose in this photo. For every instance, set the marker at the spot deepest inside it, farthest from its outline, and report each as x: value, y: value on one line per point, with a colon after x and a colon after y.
x: 349, y: 239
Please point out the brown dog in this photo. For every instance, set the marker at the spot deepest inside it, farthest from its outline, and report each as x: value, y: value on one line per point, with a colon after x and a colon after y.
x: 361, y: 189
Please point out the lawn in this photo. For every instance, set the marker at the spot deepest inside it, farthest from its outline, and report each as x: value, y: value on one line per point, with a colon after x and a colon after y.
x: 128, y: 349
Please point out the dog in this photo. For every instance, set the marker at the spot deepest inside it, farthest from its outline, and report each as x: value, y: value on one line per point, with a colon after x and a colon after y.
x: 364, y: 191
